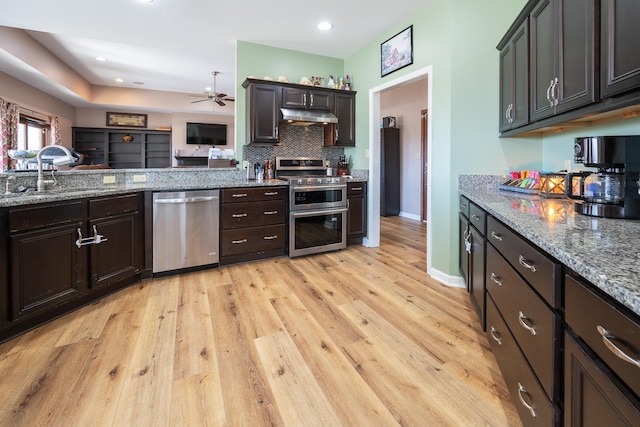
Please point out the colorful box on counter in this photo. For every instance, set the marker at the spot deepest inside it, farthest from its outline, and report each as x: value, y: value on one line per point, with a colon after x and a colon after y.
x: 523, y: 182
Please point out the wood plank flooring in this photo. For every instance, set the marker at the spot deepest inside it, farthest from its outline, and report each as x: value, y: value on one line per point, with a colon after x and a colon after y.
x: 358, y: 337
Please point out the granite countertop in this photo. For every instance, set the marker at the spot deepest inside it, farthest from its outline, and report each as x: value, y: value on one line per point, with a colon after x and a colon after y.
x: 603, y: 251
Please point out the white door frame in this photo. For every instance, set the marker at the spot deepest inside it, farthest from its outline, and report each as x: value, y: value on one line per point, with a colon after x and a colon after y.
x: 373, y: 193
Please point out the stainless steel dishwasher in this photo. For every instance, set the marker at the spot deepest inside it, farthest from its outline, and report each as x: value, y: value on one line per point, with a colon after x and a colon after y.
x: 185, y: 229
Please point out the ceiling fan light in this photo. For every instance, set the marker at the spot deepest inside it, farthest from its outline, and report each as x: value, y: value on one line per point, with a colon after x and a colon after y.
x: 101, y: 58
x: 325, y: 26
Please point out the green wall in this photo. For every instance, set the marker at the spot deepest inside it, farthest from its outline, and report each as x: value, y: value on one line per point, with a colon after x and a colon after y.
x: 457, y: 38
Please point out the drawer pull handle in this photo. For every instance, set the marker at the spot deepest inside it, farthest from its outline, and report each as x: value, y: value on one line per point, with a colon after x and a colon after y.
x: 496, y: 236
x: 239, y: 242
x: 493, y: 333
x: 356, y: 188
x: 496, y: 279
x: 240, y: 215
x: 269, y: 237
x: 271, y: 193
x: 521, y: 392
x: 607, y: 338
x: 475, y: 218
x: 463, y: 206
x: 239, y: 195
x: 523, y: 262
x: 270, y: 212
x: 525, y: 322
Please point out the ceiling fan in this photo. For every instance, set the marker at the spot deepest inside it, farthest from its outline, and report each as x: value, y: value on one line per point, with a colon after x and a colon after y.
x: 214, y: 96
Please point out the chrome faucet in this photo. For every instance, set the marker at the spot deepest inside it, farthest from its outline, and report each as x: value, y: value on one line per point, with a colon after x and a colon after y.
x: 62, y: 160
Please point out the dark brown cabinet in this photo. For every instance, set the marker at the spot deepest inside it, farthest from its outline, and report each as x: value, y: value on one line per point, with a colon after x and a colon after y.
x: 345, y: 111
x: 357, y: 215
x: 253, y: 223
x: 122, y: 149
x: 120, y: 254
x: 562, y: 56
x: 619, y: 47
x: 307, y: 99
x: 593, y: 394
x: 263, y: 110
x: 463, y: 240
x: 514, y: 73
x: 62, y: 255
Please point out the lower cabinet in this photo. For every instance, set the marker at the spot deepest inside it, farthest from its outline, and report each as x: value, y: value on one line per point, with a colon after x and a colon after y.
x: 357, y: 215
x: 62, y: 255
x: 252, y: 223
x: 593, y: 394
x: 472, y: 249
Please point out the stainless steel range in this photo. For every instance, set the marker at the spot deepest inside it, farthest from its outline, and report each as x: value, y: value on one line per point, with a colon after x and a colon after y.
x: 317, y: 206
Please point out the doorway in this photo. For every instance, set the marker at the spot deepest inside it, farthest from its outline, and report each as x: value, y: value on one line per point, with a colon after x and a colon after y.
x: 373, y: 208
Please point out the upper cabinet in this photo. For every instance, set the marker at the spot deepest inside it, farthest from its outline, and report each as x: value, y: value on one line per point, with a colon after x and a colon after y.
x: 562, y: 56
x: 582, y: 67
x: 266, y: 98
x: 514, y: 69
x: 307, y: 99
x: 263, y: 112
x: 619, y: 47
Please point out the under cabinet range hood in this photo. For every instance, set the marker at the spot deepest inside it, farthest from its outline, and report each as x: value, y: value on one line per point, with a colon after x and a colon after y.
x: 307, y: 116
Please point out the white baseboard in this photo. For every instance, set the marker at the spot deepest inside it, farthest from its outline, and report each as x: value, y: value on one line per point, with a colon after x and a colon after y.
x: 409, y: 216
x: 447, y: 279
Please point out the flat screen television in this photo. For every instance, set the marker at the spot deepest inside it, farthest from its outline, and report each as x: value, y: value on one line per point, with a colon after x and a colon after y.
x: 206, y: 134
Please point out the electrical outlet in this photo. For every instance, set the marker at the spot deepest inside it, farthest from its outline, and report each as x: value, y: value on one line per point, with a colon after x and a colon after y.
x: 139, y: 178
x: 245, y: 164
x: 109, y: 179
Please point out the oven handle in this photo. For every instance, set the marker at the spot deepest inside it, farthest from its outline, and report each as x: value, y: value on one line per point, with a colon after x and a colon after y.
x: 318, y: 212
x: 319, y: 187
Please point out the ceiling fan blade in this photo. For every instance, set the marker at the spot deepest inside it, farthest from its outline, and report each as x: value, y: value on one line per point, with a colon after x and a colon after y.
x: 230, y: 99
x: 220, y: 103
x: 200, y: 100
x: 220, y: 95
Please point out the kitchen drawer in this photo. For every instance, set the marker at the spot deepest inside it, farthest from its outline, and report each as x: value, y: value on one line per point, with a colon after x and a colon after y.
x: 525, y: 390
x: 33, y: 217
x: 478, y: 218
x: 541, y: 272
x: 533, y: 324
x: 253, y: 240
x: 589, y: 315
x: 109, y: 206
x: 356, y: 189
x: 253, y: 214
x: 464, y: 206
x: 252, y: 194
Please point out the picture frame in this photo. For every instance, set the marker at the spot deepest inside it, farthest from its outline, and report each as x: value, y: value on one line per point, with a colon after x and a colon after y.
x: 396, y: 52
x: 129, y: 120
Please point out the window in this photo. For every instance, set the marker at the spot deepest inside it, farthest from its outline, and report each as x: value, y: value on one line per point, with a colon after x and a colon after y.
x: 32, y: 133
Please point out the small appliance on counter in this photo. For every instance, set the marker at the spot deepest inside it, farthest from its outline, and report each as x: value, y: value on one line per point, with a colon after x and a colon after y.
x: 613, y: 191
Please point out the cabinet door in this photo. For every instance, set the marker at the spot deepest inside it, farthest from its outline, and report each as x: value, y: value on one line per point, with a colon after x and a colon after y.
x: 514, y: 73
x: 619, y: 47
x: 121, y: 255
x: 463, y: 257
x: 47, y: 268
x: 345, y: 110
x: 357, y: 215
x: 542, y: 55
x: 264, y: 113
x: 593, y: 396
x: 476, y: 273
x: 294, y: 98
x: 320, y: 100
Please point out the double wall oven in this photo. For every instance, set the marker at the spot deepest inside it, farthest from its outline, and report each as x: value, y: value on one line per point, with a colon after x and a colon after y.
x: 317, y: 206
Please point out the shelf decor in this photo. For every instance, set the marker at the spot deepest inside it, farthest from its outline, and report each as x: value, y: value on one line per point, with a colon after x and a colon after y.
x: 397, y: 52
x: 129, y: 120
x: 552, y: 184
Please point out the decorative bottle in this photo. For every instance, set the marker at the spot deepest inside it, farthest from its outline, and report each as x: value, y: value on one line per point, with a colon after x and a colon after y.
x: 341, y: 84
x: 347, y: 83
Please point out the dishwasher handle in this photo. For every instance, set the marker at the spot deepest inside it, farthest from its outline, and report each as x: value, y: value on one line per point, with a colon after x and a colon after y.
x: 186, y: 200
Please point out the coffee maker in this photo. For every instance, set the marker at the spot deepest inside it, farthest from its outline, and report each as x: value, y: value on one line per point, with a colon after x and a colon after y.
x: 613, y: 191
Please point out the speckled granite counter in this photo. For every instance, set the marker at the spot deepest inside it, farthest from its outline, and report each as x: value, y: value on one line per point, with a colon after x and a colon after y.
x: 603, y: 251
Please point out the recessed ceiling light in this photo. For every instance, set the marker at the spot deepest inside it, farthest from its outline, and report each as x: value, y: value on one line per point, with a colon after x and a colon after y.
x: 146, y: 1
x: 325, y: 26
x: 208, y: 88
x: 119, y: 80
x: 100, y: 58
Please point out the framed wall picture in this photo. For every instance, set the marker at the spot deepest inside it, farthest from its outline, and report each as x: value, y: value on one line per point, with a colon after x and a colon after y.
x: 129, y: 120
x: 397, y: 52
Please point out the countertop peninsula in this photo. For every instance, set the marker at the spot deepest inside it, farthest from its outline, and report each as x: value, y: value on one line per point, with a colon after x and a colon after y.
x: 603, y: 251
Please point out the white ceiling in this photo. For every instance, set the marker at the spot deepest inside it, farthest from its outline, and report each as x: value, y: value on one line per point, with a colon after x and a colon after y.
x: 174, y: 45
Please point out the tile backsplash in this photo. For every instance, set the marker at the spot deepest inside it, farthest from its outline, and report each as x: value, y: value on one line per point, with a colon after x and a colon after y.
x: 295, y: 141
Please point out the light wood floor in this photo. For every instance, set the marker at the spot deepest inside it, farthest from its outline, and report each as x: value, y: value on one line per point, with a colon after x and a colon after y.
x: 358, y: 337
